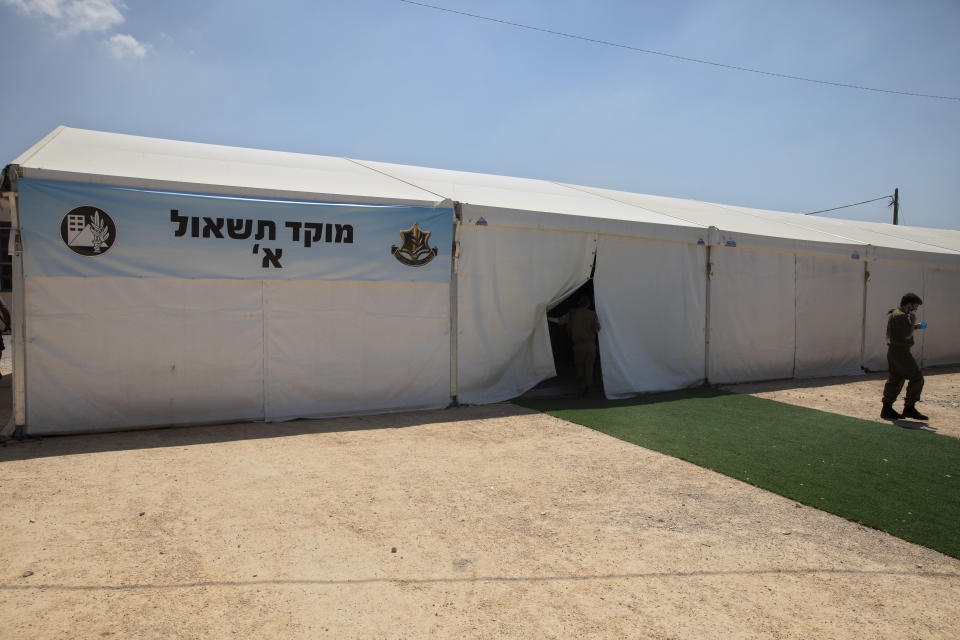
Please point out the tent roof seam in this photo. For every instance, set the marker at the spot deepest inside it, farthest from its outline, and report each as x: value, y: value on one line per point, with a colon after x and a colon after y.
x: 406, y: 182
x: 636, y: 206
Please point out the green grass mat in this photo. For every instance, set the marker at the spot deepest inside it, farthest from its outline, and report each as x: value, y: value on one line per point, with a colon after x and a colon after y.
x: 902, y: 481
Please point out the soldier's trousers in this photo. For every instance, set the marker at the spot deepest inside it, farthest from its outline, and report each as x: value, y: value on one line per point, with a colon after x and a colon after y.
x: 584, y: 355
x: 902, y: 367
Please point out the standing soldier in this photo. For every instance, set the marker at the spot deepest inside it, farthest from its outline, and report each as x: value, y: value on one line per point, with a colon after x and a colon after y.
x: 900, y: 326
x: 583, y: 327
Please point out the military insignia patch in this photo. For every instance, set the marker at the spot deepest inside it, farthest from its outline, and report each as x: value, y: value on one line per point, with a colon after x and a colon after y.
x: 88, y: 231
x: 415, y: 250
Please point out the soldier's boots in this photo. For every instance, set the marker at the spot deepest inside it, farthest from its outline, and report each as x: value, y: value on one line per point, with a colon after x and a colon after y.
x: 889, y: 413
x: 910, y: 411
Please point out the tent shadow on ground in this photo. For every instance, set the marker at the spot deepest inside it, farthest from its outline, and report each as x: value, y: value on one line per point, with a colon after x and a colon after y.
x: 596, y: 401
x: 188, y: 435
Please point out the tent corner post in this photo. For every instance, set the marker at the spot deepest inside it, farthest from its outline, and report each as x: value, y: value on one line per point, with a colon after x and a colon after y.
x: 706, y: 324
x: 454, y: 308
x: 863, y: 317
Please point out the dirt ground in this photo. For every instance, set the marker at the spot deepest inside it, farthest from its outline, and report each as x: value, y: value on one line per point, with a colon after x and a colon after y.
x: 478, y: 522
x: 859, y: 397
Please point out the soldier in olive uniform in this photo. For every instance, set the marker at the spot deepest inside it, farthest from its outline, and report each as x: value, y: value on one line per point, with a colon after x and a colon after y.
x: 901, y: 323
x: 583, y: 327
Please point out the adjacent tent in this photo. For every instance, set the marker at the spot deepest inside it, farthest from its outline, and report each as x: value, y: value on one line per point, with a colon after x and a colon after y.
x: 161, y: 282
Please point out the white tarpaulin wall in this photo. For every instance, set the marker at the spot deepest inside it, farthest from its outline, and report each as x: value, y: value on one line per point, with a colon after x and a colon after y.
x: 508, y: 278
x: 334, y: 348
x: 782, y: 315
x: 888, y: 282
x: 651, y: 302
x: 829, y: 313
x: 752, y: 315
x: 941, y: 311
x: 105, y: 353
x: 108, y: 353
x: 150, y: 308
x: 937, y: 286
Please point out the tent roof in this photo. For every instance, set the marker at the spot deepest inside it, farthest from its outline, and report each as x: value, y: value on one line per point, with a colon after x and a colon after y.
x: 133, y: 161
x: 516, y: 201
x: 779, y: 224
x: 846, y: 229
x: 942, y: 238
x: 733, y: 222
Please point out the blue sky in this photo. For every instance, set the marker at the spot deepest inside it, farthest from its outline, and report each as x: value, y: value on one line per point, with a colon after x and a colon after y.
x: 389, y: 81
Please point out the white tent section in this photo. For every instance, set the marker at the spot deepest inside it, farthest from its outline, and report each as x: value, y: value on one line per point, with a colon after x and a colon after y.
x: 527, y: 244
x: 900, y: 259
x: 186, y: 326
x: 106, y: 353
x: 335, y: 348
x: 941, y: 310
x: 829, y: 296
x: 151, y: 346
x: 651, y: 338
x: 508, y: 280
x: 752, y: 333
x: 787, y: 299
x: 838, y: 265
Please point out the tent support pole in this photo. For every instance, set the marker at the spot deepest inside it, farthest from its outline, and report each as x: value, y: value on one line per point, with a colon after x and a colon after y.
x: 706, y: 325
x: 863, y: 318
x: 796, y: 310
x: 454, y: 293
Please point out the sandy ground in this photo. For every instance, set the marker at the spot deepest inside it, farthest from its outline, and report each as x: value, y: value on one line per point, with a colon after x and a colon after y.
x: 859, y: 397
x: 479, y: 522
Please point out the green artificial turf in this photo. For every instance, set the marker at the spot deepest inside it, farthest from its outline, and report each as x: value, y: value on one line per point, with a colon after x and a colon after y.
x: 902, y: 481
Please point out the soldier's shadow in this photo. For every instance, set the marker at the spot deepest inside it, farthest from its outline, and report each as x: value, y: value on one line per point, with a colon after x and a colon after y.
x: 915, y: 425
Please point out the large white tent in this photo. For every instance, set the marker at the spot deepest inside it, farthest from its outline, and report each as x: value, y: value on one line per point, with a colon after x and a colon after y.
x: 143, y: 298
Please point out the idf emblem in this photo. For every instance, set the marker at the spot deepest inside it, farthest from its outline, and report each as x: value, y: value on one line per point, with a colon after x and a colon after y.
x: 88, y: 231
x: 415, y: 250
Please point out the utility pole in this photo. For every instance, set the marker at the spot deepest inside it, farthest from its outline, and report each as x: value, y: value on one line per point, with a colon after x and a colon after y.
x: 896, y: 205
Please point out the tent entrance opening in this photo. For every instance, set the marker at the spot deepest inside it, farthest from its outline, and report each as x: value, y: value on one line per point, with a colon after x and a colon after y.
x: 577, y: 364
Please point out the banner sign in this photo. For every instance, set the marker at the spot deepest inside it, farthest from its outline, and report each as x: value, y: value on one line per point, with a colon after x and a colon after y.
x: 74, y: 229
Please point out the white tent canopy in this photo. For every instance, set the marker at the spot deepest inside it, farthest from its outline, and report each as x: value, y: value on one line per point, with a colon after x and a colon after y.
x: 77, y: 155
x: 186, y: 318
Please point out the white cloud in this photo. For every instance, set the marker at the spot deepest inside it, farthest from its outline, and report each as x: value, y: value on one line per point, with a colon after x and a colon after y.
x: 47, y: 8
x: 78, y: 16
x: 123, y: 47
x: 74, y: 16
x: 93, y: 15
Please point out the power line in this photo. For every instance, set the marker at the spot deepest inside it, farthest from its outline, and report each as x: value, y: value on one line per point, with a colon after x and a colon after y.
x: 676, y: 57
x: 847, y: 205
